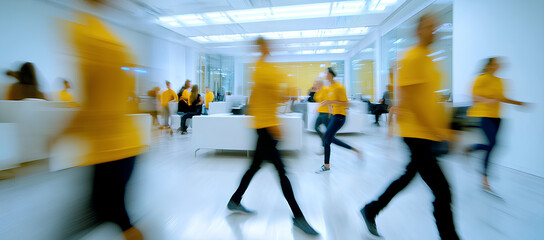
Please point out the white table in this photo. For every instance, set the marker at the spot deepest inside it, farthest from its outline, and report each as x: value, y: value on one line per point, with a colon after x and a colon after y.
x: 233, y: 132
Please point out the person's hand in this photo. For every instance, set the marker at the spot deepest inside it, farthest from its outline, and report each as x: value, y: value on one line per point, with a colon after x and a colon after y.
x: 325, y: 103
x: 490, y: 100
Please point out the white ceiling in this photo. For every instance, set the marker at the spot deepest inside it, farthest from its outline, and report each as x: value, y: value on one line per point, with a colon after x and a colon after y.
x: 162, y: 9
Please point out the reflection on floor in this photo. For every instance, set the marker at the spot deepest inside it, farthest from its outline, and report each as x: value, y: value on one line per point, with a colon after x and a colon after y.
x: 174, y: 195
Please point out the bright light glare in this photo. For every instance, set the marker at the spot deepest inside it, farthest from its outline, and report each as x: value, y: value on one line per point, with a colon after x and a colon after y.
x: 337, y: 50
x: 303, y: 11
x: 436, y: 53
x: 320, y: 33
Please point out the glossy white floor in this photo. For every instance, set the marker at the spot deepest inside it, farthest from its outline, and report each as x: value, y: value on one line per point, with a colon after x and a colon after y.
x: 174, y: 195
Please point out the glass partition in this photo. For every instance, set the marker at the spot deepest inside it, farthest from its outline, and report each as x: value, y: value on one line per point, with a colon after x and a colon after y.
x: 362, y: 74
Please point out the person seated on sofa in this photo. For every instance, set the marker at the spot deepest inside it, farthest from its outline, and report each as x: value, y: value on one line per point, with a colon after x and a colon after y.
x: 384, y: 105
x: 27, y: 87
x: 194, y: 109
x: 183, y: 95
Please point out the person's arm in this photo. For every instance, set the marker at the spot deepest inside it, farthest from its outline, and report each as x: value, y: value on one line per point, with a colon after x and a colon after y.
x: 329, y: 102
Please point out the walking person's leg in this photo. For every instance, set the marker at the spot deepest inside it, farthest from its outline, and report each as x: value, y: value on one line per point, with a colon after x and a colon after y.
x: 271, y: 152
x: 371, y: 210
x: 335, y: 124
x: 320, y: 120
x: 433, y: 176
x: 109, y: 188
x: 490, y: 127
x: 342, y: 120
x: 235, y: 201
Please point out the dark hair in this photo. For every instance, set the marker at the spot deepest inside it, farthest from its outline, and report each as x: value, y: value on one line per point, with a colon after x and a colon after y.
x: 331, y: 71
x: 260, y: 41
x: 488, y: 61
x: 167, y: 82
x: 27, y: 74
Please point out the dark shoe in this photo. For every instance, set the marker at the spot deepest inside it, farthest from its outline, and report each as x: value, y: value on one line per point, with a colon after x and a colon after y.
x: 238, y: 208
x: 302, y: 224
x: 370, y: 222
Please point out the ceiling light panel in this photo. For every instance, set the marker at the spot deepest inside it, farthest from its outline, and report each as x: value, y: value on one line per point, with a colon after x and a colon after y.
x: 304, y: 11
x: 319, y: 33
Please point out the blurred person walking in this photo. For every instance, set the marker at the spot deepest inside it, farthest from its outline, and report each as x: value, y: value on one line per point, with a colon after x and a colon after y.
x: 264, y: 101
x: 64, y: 95
x: 338, y: 101
x: 209, y: 99
x: 194, y: 109
x: 27, y: 87
x: 167, y: 97
x: 102, y: 122
x: 154, y: 104
x: 422, y: 123
x: 488, y: 93
x: 323, y: 111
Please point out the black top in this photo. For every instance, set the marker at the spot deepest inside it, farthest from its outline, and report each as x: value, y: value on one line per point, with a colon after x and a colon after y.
x: 194, y: 107
x: 311, y: 98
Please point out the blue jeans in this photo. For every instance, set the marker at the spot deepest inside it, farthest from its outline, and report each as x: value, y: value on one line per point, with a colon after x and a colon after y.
x: 336, y: 122
x: 490, y: 126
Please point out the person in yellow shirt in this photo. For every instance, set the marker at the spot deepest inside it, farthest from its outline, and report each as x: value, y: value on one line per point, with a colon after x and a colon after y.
x: 209, y: 98
x: 103, y: 121
x: 421, y: 124
x: 264, y: 101
x: 338, y: 102
x: 64, y: 95
x: 167, y: 97
x: 488, y: 93
x: 323, y: 112
x: 183, y: 96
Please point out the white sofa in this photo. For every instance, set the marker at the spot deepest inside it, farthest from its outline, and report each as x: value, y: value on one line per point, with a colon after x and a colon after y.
x: 233, y: 132
x: 29, y: 125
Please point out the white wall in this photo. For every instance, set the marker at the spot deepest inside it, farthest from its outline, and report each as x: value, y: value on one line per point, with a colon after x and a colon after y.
x: 512, y: 29
x: 32, y: 31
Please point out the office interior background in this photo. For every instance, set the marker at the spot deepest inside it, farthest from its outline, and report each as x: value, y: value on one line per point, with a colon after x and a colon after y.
x: 181, y: 185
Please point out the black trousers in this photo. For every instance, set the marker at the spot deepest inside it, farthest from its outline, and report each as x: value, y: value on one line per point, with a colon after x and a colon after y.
x: 184, y: 119
x: 490, y: 127
x: 423, y: 162
x: 109, y: 186
x: 336, y: 122
x: 322, y: 119
x: 379, y: 110
x: 266, y: 149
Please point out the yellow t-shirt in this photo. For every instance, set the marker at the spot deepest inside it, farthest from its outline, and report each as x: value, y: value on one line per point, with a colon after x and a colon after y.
x: 185, y: 96
x: 321, y: 96
x: 209, y: 98
x: 487, y: 85
x: 168, y: 96
x: 103, y: 121
x: 65, y: 96
x: 265, y: 96
x: 416, y: 68
x: 337, y: 92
